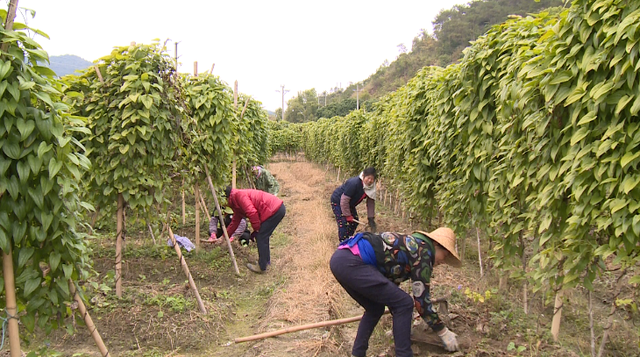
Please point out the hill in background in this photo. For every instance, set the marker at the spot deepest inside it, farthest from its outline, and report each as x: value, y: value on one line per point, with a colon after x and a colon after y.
x: 454, y: 29
x: 68, y: 64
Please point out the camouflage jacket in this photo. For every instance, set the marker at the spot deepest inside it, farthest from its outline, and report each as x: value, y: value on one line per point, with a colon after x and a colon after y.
x: 267, y: 183
x: 409, y: 256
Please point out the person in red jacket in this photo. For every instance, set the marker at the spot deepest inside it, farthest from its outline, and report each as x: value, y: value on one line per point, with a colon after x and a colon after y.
x: 264, y: 211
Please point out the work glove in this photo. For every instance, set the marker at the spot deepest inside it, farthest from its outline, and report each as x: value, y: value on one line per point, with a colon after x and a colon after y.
x: 212, y: 237
x: 372, y: 224
x: 253, y: 236
x: 449, y: 340
x: 349, y: 219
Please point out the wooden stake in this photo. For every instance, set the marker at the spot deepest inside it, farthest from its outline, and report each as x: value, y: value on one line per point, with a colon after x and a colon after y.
x: 97, y: 69
x: 196, y: 193
x: 245, y: 107
x: 7, y: 257
x: 87, y: 320
x: 593, y: 334
x: 204, y: 207
x: 212, y: 65
x: 235, y: 95
x: 234, y: 175
x: 338, y: 178
x: 395, y: 209
x: 185, y: 268
x: 11, y: 305
x: 119, y: 232
x: 479, y: 252
x: 184, y: 213
x: 221, y: 217
x: 251, y: 184
x: 195, y: 68
x: 557, y: 316
x: 300, y: 328
x: 233, y: 165
x: 152, y: 236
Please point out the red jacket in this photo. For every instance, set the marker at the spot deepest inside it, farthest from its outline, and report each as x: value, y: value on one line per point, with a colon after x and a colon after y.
x: 255, y: 205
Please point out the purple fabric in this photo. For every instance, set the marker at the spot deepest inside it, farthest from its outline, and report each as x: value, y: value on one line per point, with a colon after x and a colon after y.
x: 183, y: 242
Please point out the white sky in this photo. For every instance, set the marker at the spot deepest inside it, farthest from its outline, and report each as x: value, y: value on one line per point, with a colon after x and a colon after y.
x: 261, y: 44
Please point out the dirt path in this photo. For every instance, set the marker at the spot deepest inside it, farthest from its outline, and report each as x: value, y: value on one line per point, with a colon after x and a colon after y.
x: 306, y: 290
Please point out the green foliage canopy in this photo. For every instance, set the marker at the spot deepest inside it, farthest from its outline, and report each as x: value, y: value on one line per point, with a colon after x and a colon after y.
x: 41, y: 164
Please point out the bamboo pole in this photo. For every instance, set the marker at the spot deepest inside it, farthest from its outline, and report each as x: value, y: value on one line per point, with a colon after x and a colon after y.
x: 300, y: 328
x: 197, y: 196
x: 221, y: 217
x: 212, y: 65
x: 204, y: 207
x: 185, y: 268
x: 233, y: 165
x: 152, y: 236
x: 97, y: 69
x: 7, y: 257
x: 87, y: 320
x: 338, y: 177
x: 245, y: 107
x: 557, y: 316
x: 119, y: 233
x: 184, y: 205
x: 11, y: 305
x: 479, y: 252
x: 234, y: 175
x: 591, y: 329
x: 395, y: 209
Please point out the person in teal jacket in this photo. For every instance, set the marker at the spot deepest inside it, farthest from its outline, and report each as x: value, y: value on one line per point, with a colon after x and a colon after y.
x: 371, y: 266
x: 265, y: 181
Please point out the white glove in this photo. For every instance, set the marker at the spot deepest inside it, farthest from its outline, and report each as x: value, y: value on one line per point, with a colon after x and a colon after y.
x: 449, y: 340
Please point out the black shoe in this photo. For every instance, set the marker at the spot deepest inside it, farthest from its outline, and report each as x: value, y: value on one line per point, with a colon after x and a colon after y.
x: 254, y: 268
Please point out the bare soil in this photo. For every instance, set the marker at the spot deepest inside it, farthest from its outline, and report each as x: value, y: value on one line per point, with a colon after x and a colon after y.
x: 158, y: 315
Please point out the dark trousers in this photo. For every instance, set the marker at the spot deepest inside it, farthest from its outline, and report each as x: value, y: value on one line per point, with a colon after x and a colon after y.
x: 373, y: 291
x: 262, y: 239
x: 345, y: 229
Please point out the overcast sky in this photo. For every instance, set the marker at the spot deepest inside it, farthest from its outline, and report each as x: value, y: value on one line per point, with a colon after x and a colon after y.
x: 261, y: 44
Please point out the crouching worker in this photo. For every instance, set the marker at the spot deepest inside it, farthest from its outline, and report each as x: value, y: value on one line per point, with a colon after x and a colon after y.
x: 370, y: 267
x: 264, y: 211
x: 215, y: 228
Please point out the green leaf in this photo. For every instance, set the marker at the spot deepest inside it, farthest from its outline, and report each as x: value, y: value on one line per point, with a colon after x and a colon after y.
x: 579, y: 135
x: 31, y: 285
x: 23, y: 171
x: 54, y: 260
x: 4, y: 242
x: 54, y: 167
x: 68, y: 270
x: 629, y: 157
x: 589, y: 117
x: 24, y: 255
x: 25, y: 127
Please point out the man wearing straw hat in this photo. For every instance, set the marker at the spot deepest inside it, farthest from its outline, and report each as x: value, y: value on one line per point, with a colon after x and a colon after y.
x: 370, y: 267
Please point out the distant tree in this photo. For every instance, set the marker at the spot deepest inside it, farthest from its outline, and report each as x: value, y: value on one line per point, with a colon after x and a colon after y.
x: 279, y: 114
x: 302, y: 108
x: 402, y: 48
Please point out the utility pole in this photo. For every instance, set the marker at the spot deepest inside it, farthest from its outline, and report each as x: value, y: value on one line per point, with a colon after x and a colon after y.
x: 283, y: 91
x: 176, y: 56
x: 357, y: 96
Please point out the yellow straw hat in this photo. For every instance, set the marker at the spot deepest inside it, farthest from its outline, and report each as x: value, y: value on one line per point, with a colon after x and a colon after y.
x: 447, y: 239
